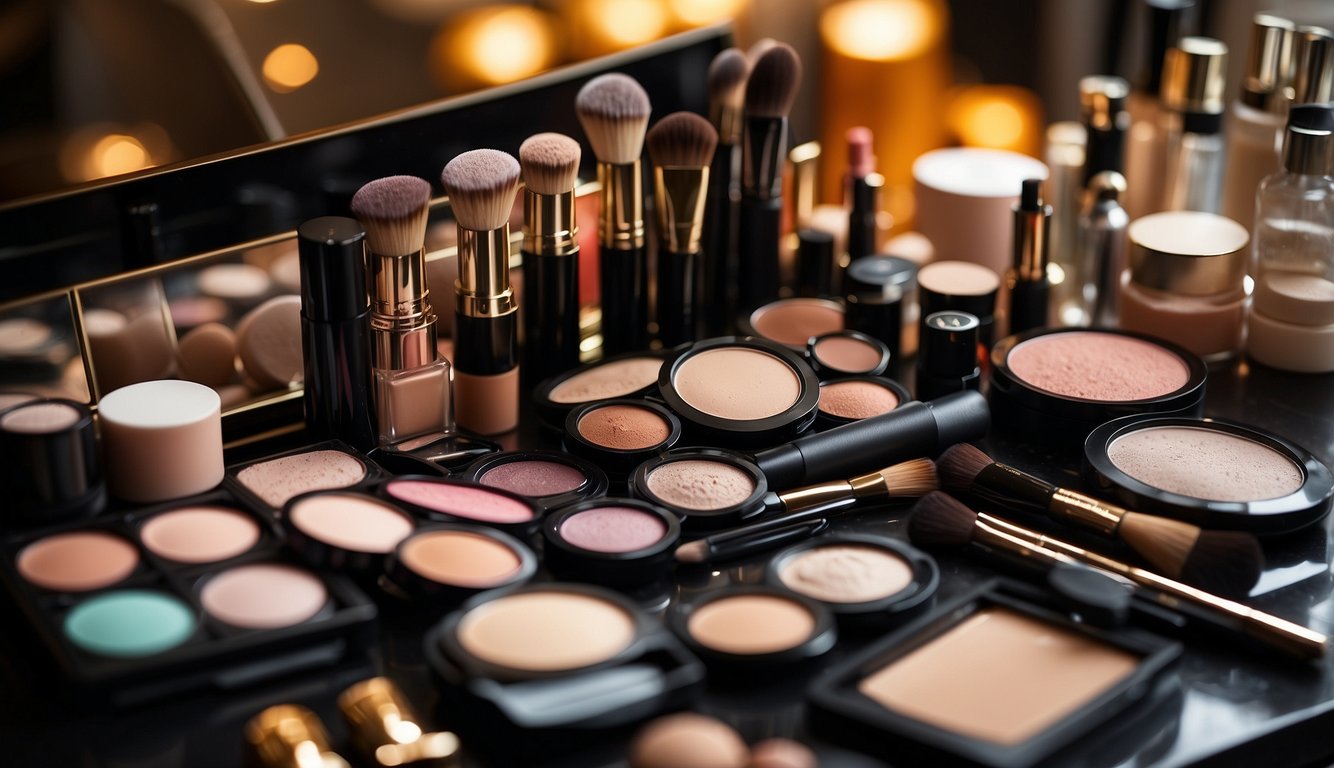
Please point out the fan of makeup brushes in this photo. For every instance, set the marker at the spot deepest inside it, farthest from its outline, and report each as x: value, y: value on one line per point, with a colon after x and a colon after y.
x: 1226, y: 562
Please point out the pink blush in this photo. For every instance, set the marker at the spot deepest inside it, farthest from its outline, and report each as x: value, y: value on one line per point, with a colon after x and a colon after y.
x: 1090, y: 365
x: 613, y: 529
x: 461, y: 501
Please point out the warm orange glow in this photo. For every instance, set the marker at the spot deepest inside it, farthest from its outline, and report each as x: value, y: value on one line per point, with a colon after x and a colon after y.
x: 881, y: 30
x: 997, y: 117
x: 491, y: 46
x: 116, y: 154
x: 108, y: 149
x: 290, y: 66
x: 603, y: 26
x: 698, y: 13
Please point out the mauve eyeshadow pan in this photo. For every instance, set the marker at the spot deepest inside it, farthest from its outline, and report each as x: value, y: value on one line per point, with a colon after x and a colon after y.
x: 535, y: 478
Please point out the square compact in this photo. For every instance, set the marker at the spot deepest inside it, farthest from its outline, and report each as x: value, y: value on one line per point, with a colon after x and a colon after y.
x: 1002, y: 677
x: 267, y: 484
x: 546, y: 667
x: 195, y: 594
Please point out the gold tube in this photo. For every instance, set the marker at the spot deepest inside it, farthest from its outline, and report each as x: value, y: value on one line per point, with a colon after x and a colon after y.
x: 621, y: 206
x: 386, y: 730
x: 549, y: 227
x: 1101, y: 517
x: 402, y: 321
x: 680, y: 198
x: 860, y: 487
x: 290, y: 736
x: 484, y: 275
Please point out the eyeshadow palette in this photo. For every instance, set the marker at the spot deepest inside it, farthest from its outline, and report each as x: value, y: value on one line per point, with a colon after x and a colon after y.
x: 268, y: 484
x: 191, y: 595
x: 992, y: 679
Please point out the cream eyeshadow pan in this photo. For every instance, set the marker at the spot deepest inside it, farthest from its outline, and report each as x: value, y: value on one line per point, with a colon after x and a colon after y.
x: 999, y: 676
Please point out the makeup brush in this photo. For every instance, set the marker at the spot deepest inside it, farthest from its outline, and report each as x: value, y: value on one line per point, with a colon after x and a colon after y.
x: 941, y: 522
x: 906, y: 480
x: 549, y: 167
x: 681, y: 147
x: 771, y: 89
x: 727, y: 91
x: 1227, y: 562
x: 613, y: 110
x: 481, y: 185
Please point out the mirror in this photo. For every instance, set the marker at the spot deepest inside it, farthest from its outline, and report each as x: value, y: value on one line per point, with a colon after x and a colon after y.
x: 163, y: 214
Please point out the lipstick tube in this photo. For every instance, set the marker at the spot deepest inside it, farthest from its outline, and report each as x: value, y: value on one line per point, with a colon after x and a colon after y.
x: 623, y: 258
x: 486, y: 360
x: 551, y: 278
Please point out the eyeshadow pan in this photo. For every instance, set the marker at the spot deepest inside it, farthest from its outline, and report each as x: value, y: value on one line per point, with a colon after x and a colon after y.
x: 77, y: 561
x: 277, y: 481
x: 460, y: 558
x: 857, y: 399
x: 700, y: 484
x: 794, y: 321
x: 546, y: 631
x: 737, y: 383
x: 1098, y: 366
x: 751, y: 624
x: 613, y: 529
x: 847, y: 354
x: 846, y: 574
x: 263, y: 596
x: 130, y: 623
x: 999, y: 676
x: 1205, y: 464
x: 351, y: 522
x: 461, y: 501
x: 624, y: 427
x: 40, y: 418
x: 534, y: 478
x: 607, y: 381
x: 199, y: 534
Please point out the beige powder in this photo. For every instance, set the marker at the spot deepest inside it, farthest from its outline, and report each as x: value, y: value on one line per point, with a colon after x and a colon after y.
x: 701, y: 484
x: 608, y: 381
x: 546, y: 631
x: 751, y: 624
x: 277, y: 480
x: 846, y: 574
x: 737, y: 383
x: 460, y: 558
x: 999, y: 676
x: 1205, y: 464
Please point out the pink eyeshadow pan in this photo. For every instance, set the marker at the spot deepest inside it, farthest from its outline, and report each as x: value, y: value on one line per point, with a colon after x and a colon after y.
x: 613, y: 529
x: 534, y: 478
x: 1098, y: 366
x: 461, y: 501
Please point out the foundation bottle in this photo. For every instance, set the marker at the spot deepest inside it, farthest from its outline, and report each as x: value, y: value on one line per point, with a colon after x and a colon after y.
x: 1193, y: 82
x: 1186, y: 280
x: 1255, y: 121
x: 1292, y: 322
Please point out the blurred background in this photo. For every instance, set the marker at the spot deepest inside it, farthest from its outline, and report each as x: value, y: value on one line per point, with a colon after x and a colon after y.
x: 96, y: 89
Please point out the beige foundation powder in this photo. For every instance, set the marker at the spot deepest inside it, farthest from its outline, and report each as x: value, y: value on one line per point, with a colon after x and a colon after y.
x: 701, y: 484
x: 999, y: 676
x: 846, y: 574
x: 751, y: 624
x: 737, y: 383
x: 1205, y: 464
x: 608, y: 381
x: 546, y: 631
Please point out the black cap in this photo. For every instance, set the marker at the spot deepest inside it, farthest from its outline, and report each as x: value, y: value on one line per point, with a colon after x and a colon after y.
x: 1169, y: 21
x: 879, y: 275
x: 815, y: 263
x: 52, y: 469
x: 333, y: 269
x: 950, y: 345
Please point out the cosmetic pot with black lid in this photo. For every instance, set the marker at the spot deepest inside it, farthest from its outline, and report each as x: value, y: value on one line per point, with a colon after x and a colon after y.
x: 550, y: 479
x: 51, y: 470
x: 745, y: 632
x: 706, y: 488
x: 611, y: 541
x: 878, y: 291
x: 451, y: 562
x: 740, y: 392
x: 618, y: 435
x: 1215, y: 473
x: 947, y: 355
x: 547, y: 668
x: 847, y: 353
x: 986, y: 680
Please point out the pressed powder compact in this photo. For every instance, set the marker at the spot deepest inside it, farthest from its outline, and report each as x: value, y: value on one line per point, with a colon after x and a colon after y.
x: 853, y: 398
x: 705, y: 488
x: 862, y: 578
x: 452, y: 562
x: 619, y: 434
x: 549, y: 478
x: 793, y: 322
x: 847, y: 353
x: 268, y: 484
x: 1211, y: 472
x: 747, y: 630
x: 617, y: 542
x: 620, y: 376
x: 345, y: 530
x: 459, y: 501
x: 991, y: 679
x: 1057, y: 385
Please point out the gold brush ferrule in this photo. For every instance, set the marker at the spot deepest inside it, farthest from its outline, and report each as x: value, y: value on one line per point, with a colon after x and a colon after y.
x: 402, y: 321
x: 621, y: 206
x: 680, y: 193
x: 290, y: 736
x: 1085, y: 510
x: 549, y: 228
x: 385, y: 729
x: 1030, y: 243
x: 483, y: 287
x: 861, y: 487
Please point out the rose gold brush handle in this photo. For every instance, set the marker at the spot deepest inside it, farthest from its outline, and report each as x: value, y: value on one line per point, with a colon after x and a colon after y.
x: 1284, y: 635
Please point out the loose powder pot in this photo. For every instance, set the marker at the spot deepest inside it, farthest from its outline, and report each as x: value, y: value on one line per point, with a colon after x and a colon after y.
x: 704, y: 488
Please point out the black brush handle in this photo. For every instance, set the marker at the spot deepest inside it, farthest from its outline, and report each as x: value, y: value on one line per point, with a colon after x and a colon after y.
x: 550, y: 315
x: 678, y: 291
x: 717, y: 269
x: 1029, y: 302
x: 624, y: 294
x: 758, y: 239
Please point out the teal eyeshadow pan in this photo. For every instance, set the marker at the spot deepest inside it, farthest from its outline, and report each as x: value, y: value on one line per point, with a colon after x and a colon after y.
x: 130, y: 623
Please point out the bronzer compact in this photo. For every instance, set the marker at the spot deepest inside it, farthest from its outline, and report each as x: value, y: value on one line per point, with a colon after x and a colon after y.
x: 1211, y: 472
x: 1001, y: 677
x: 174, y: 598
x: 547, y: 667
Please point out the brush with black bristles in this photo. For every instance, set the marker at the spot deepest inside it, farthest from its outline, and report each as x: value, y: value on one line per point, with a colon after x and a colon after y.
x: 681, y: 147
x: 393, y: 211
x: 771, y: 88
x: 613, y: 110
x: 727, y: 91
x: 1228, y: 562
x: 481, y: 185
x: 549, y: 165
x: 791, y: 515
x: 940, y: 521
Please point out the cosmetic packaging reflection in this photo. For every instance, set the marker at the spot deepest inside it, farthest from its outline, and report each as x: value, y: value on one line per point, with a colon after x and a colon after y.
x: 413, y: 383
x: 613, y: 110
x: 482, y: 185
x: 1102, y: 248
